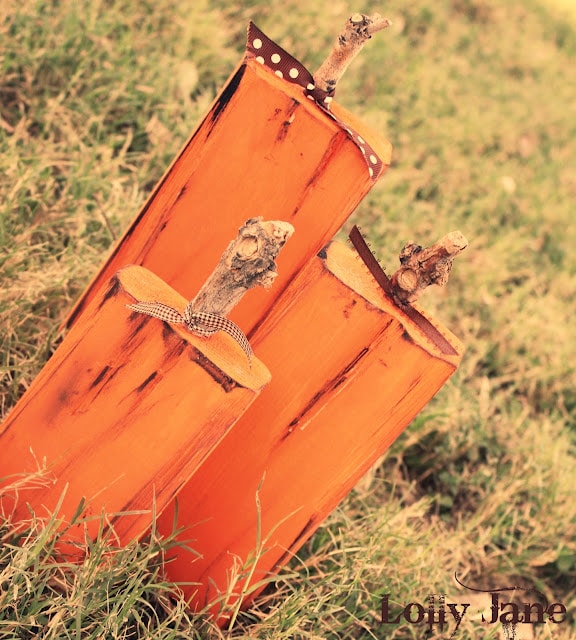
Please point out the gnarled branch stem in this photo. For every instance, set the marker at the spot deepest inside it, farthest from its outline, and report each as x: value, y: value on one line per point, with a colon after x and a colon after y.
x: 248, y: 261
x: 423, y: 267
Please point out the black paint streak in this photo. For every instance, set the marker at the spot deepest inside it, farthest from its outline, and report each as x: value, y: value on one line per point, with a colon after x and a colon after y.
x: 111, y: 376
x: 346, y: 310
x: 304, y: 533
x: 98, y: 379
x: 77, y: 311
x: 63, y: 396
x: 167, y: 331
x: 323, y: 253
x: 406, y: 336
x: 289, y: 120
x: 226, y: 95
x: 333, y: 148
x: 332, y: 384
x: 143, y: 320
x: 352, y: 364
x: 179, y: 348
x: 339, y: 382
x: 113, y: 290
x: 146, y: 382
x: 226, y: 382
x: 169, y: 335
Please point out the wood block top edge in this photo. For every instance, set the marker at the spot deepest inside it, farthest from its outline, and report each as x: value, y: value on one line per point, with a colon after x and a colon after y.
x: 381, y: 145
x: 345, y: 264
x: 220, y: 349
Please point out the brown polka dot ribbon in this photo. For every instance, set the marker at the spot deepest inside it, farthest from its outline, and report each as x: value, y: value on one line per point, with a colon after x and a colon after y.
x: 260, y: 48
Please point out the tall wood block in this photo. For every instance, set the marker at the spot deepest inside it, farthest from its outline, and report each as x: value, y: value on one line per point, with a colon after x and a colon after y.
x: 350, y: 370
x: 263, y: 149
x: 125, y: 411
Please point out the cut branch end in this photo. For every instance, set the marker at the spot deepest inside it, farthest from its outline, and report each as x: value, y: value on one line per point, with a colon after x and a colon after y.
x: 422, y: 267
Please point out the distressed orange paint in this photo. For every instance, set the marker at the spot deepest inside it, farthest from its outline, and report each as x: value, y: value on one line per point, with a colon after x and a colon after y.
x: 125, y: 411
x: 263, y: 149
x: 350, y: 370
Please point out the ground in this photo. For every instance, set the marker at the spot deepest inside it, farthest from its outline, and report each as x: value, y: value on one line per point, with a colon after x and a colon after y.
x: 477, y: 98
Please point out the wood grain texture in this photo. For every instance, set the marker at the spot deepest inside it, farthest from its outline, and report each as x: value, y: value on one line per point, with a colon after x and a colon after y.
x: 262, y: 150
x: 125, y: 410
x: 350, y: 371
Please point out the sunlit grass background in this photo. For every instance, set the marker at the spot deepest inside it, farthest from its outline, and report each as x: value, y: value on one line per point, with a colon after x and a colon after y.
x: 478, y: 98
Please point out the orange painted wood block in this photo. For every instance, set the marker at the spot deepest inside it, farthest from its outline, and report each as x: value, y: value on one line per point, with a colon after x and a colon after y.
x: 125, y: 411
x: 350, y: 370
x: 262, y: 150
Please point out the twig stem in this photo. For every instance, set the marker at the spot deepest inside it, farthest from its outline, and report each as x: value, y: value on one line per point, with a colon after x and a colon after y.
x: 358, y: 30
x: 423, y: 267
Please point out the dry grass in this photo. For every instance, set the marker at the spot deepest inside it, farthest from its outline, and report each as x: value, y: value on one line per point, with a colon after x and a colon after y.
x: 477, y: 97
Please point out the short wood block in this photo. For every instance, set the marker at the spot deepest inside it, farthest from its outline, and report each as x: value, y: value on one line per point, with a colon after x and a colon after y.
x: 350, y: 371
x: 125, y: 411
x: 263, y: 149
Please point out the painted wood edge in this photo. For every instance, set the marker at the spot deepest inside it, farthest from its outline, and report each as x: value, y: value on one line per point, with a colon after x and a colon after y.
x: 422, y: 329
x: 224, y: 354
x: 228, y: 88
x: 381, y: 145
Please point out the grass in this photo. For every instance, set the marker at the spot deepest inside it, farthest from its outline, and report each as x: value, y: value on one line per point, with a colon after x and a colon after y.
x: 477, y: 98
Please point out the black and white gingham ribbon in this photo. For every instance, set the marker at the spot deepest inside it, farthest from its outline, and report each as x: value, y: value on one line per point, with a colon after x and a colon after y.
x: 202, y: 323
